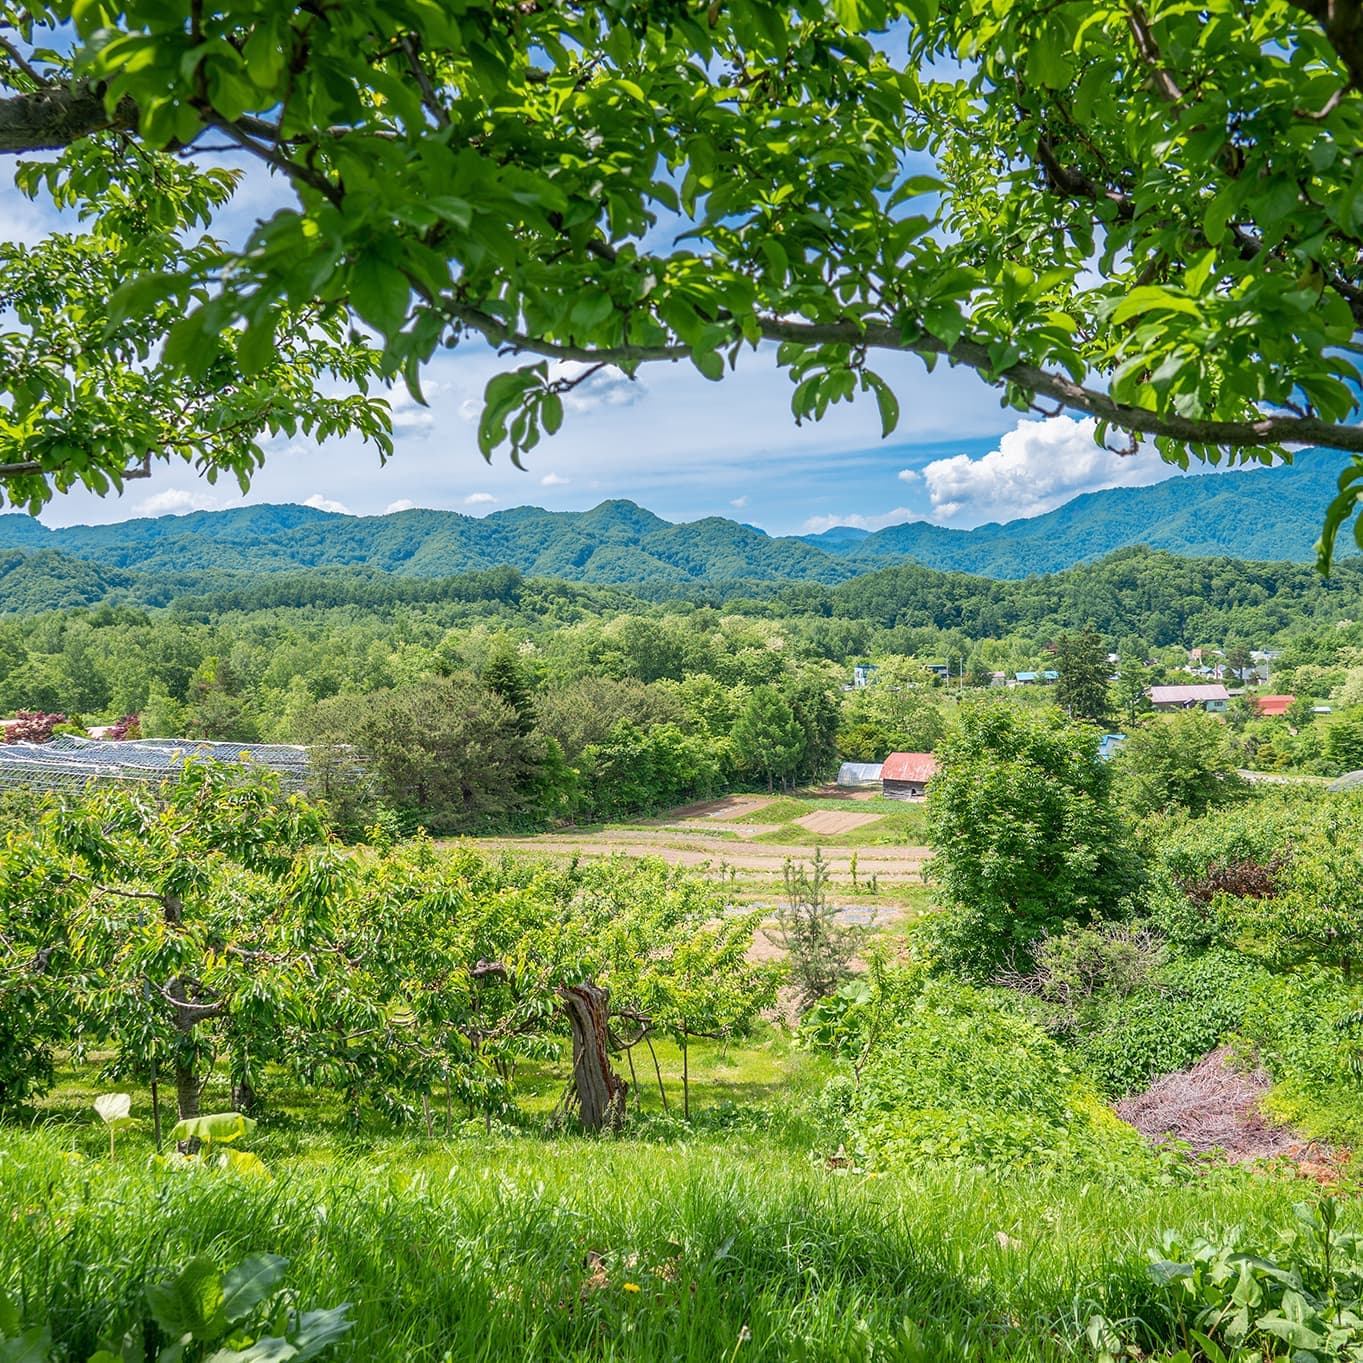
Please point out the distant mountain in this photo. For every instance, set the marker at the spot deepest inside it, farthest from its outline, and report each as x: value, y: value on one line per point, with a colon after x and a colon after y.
x: 1268, y: 514
x: 1261, y: 514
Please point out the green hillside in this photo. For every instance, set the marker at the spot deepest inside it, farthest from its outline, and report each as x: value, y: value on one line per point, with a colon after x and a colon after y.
x: 1260, y: 514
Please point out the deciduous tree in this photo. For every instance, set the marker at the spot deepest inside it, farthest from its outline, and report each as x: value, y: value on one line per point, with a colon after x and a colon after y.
x: 1132, y: 211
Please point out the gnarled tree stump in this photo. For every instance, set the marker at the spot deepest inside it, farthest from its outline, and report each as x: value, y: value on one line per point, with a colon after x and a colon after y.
x: 600, y: 1091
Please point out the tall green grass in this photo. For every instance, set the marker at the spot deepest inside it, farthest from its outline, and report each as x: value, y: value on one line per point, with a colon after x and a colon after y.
x: 518, y: 1247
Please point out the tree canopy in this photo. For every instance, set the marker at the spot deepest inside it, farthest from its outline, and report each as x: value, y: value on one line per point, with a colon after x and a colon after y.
x: 1145, y: 213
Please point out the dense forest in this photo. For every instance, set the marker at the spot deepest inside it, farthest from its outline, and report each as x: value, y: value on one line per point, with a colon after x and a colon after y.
x: 489, y: 698
x: 618, y: 542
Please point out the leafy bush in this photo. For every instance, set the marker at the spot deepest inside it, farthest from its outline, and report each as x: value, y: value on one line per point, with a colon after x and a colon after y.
x: 1301, y: 1300
x: 1024, y: 835
x: 964, y: 1078
x: 1189, y: 1007
x: 244, y: 1312
x: 1305, y: 1029
x: 1069, y: 967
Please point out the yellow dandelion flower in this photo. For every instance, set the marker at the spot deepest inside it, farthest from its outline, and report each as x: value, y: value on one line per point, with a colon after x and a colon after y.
x: 631, y: 1287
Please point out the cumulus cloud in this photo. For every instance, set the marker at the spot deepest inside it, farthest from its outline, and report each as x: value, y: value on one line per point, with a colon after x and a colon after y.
x: 479, y: 499
x: 402, y: 504
x: 409, y: 417
x: 321, y: 503
x: 739, y: 502
x: 176, y: 502
x: 910, y: 476
x: 553, y: 480
x: 609, y: 387
x: 816, y: 525
x: 1036, y: 467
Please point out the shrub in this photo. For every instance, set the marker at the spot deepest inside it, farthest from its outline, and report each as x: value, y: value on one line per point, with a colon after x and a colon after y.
x: 965, y: 1078
x: 1188, y: 1008
x: 1070, y: 967
x: 1306, y: 1032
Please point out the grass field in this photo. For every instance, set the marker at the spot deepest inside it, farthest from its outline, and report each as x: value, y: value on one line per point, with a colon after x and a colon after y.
x: 726, y: 1245
x: 739, y: 1236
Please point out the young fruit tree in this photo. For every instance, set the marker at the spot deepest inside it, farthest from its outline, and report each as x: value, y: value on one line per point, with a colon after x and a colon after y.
x: 1137, y: 212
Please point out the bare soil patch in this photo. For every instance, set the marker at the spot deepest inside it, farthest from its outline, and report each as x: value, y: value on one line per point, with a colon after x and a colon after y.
x: 1212, y: 1106
x: 731, y: 807
x: 831, y: 822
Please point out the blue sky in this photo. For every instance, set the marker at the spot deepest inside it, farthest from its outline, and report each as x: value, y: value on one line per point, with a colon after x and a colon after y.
x: 671, y: 440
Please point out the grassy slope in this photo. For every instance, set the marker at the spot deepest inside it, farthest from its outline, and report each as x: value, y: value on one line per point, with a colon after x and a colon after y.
x: 707, y: 1249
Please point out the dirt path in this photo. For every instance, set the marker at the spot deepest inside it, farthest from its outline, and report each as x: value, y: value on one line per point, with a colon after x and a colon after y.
x: 688, y: 848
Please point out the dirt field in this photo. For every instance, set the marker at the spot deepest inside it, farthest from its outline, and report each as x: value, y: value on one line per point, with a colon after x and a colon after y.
x: 690, y: 846
x: 835, y: 821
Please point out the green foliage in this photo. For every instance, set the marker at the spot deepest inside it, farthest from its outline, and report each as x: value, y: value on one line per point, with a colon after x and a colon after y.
x: 768, y: 739
x: 1185, y: 1009
x: 1081, y: 661
x: 819, y: 947
x: 1023, y: 833
x: 1299, y: 1299
x: 1182, y: 762
x: 963, y: 1078
x: 1305, y: 1031
x: 203, y: 1313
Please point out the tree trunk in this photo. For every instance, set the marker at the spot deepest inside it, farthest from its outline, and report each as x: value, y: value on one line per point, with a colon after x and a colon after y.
x: 600, y: 1091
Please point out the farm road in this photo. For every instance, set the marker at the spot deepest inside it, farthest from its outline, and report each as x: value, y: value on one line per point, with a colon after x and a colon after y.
x: 690, y: 845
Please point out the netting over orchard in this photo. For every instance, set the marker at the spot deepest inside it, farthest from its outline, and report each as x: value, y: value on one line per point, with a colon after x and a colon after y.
x: 71, y: 763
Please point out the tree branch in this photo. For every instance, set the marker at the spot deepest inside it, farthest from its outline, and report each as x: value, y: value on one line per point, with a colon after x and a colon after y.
x: 1342, y: 23
x: 53, y: 118
x: 1269, y: 429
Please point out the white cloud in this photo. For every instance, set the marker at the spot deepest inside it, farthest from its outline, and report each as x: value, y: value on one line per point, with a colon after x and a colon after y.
x: 739, y: 502
x: 910, y: 476
x: 816, y: 525
x: 409, y: 416
x: 609, y: 387
x: 176, y: 502
x: 479, y: 499
x: 402, y: 504
x: 321, y: 503
x: 1036, y: 467
x: 553, y: 480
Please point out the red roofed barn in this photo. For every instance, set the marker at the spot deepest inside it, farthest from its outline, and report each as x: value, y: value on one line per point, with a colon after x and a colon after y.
x: 905, y: 775
x: 1274, y: 705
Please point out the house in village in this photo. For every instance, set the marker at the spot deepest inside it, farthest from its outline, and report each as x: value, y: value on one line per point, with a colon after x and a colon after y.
x: 1211, y: 696
x: 1273, y: 707
x: 1047, y: 678
x: 905, y: 775
x: 863, y: 674
x: 1108, y: 745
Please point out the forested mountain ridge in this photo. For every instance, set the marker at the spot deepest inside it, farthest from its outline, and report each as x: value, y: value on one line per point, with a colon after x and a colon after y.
x: 1257, y: 513
x: 1260, y: 514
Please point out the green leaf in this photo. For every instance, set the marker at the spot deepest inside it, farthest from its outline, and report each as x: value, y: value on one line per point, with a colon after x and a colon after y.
x: 944, y: 321
x: 215, y: 1128
x: 269, y: 1349
x: 710, y: 363
x: 33, y: 1346
x: 191, y: 1302
x: 249, y: 1283
x: 140, y: 294
x: 379, y: 293
x: 318, y: 1330
x: 1152, y: 298
x: 885, y: 401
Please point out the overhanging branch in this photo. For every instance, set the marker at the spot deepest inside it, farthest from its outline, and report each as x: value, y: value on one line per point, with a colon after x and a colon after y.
x: 1269, y: 429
